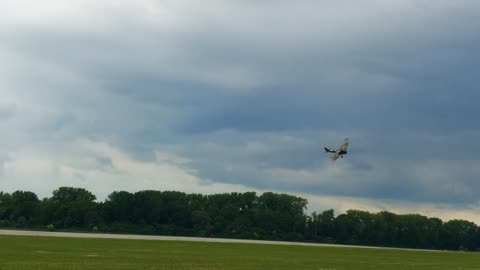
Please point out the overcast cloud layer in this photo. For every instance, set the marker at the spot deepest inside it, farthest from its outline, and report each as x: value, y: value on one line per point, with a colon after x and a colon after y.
x: 223, y: 96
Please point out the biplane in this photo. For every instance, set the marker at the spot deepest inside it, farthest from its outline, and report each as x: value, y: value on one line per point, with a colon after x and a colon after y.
x: 340, y: 152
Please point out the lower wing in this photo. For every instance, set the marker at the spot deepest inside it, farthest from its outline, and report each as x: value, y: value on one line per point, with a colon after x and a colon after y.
x: 335, y: 156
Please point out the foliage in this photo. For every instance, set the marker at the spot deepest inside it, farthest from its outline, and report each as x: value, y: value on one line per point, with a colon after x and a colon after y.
x: 268, y: 216
x: 50, y: 227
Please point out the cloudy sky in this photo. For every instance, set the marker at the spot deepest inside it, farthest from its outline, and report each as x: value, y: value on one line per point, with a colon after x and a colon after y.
x: 232, y: 96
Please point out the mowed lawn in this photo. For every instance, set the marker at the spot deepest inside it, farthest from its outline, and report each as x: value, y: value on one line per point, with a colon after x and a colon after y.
x: 25, y: 252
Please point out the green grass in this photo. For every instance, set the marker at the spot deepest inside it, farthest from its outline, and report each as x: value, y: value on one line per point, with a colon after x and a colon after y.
x: 22, y: 252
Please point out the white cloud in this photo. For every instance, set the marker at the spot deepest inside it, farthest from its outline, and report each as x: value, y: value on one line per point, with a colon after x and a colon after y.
x: 330, y: 177
x: 101, y: 168
x: 343, y: 203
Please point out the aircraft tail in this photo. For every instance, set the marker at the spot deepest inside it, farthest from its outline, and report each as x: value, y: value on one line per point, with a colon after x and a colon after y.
x: 328, y: 150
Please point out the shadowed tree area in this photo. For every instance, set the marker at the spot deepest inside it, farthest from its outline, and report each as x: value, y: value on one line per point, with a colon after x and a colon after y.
x: 268, y: 216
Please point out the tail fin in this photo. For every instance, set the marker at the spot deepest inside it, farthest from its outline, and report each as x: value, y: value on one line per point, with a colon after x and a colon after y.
x: 328, y: 150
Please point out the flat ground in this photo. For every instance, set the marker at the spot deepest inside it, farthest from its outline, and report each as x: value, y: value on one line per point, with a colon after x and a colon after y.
x: 39, y: 252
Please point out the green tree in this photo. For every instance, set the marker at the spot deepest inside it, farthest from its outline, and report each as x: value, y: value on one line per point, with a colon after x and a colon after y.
x: 24, y: 207
x: 459, y: 235
x: 71, y: 207
x: 118, y: 207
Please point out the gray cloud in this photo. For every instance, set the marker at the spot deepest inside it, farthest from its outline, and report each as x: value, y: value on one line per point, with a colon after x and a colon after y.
x: 250, y: 100
x: 7, y: 111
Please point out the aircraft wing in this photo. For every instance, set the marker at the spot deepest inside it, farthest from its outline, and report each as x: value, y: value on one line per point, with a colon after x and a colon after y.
x: 344, y: 146
x: 335, y: 156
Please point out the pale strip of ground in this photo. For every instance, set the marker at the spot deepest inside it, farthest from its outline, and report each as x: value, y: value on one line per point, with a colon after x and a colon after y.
x: 183, y: 238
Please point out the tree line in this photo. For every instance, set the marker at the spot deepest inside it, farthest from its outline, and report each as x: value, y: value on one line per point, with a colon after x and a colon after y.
x: 268, y: 216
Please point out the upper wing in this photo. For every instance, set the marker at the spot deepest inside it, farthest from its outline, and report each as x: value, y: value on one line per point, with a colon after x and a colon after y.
x: 344, y: 146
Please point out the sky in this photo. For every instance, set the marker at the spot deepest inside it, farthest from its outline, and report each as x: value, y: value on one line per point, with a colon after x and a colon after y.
x: 232, y: 96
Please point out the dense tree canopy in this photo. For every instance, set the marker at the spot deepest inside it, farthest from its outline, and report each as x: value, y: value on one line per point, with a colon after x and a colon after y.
x: 236, y: 215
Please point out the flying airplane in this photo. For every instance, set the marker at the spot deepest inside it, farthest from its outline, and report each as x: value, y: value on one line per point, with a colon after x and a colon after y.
x: 340, y: 152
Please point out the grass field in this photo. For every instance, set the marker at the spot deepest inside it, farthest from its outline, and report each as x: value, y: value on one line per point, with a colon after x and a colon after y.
x: 22, y: 252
